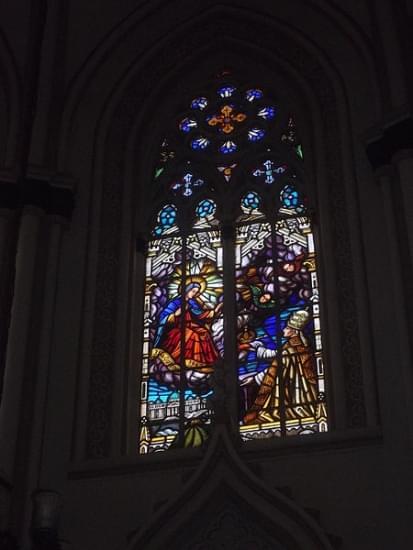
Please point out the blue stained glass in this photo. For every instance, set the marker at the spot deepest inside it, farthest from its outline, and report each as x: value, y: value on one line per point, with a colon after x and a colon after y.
x: 206, y: 208
x: 255, y: 134
x: 267, y: 113
x: 187, y: 124
x: 199, y: 144
x: 251, y: 200
x: 253, y: 94
x: 226, y: 91
x: 167, y: 215
x: 199, y: 103
x: 290, y: 200
x: 166, y: 219
x: 289, y: 197
x: 228, y: 147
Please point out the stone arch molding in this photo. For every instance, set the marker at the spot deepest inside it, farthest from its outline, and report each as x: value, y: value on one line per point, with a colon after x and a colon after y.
x: 125, y: 106
x: 117, y: 56
x: 225, y: 504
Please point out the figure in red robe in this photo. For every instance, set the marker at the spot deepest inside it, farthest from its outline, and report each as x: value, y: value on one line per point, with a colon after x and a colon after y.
x: 200, y: 352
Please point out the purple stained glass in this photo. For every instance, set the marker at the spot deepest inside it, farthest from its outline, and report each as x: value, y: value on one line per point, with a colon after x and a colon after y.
x: 183, y: 289
x: 280, y: 363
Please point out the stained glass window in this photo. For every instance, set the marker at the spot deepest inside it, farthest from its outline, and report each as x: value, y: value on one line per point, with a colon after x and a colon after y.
x: 280, y: 364
x: 183, y: 334
x: 234, y: 150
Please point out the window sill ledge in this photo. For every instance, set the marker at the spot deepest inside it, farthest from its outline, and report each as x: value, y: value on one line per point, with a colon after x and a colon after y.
x: 330, y: 442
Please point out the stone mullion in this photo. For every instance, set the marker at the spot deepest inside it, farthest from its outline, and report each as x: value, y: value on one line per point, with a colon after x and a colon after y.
x: 230, y: 329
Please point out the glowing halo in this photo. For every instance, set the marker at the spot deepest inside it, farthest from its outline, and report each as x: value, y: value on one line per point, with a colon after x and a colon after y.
x: 199, y: 279
x: 209, y: 281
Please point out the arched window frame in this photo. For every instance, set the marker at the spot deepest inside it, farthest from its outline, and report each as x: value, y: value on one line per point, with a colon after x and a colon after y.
x: 292, y: 154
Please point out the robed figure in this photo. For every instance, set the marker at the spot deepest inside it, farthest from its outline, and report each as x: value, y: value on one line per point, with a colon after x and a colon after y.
x: 187, y: 340
x: 294, y: 369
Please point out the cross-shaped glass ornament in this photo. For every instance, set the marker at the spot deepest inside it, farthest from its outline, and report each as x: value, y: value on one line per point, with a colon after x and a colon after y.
x: 269, y: 171
x: 224, y: 121
x: 186, y: 184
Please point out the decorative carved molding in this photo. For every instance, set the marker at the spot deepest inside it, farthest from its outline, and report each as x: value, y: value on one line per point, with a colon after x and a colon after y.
x: 306, y: 63
x: 350, y: 344
x: 231, y: 529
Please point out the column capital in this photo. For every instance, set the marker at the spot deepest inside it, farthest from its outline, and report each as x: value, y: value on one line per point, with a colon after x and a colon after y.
x: 392, y: 139
x: 37, y: 193
x: 9, y: 195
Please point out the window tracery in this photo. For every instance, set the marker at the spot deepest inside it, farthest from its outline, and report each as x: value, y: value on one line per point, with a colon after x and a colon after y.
x: 233, y: 157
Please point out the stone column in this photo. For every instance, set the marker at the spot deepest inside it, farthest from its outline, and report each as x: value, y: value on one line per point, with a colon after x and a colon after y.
x: 6, y: 215
x: 7, y: 232
x: 388, y: 180
x: 36, y: 476
x: 18, y: 335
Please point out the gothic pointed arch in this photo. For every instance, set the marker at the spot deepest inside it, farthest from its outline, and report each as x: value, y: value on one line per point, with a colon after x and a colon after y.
x: 137, y: 111
x: 235, y: 150
x: 225, y: 501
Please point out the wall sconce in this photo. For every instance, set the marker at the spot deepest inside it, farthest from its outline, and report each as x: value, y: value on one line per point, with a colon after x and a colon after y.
x: 47, y: 506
